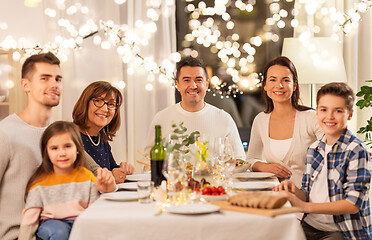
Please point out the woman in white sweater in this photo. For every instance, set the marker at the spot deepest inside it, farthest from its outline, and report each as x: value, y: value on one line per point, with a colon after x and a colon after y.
x: 282, y: 133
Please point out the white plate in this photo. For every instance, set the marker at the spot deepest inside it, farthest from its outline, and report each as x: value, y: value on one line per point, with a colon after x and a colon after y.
x: 211, y: 198
x: 254, y: 175
x: 127, y: 186
x: 253, y: 185
x: 139, y: 177
x: 193, y: 208
x: 120, y: 196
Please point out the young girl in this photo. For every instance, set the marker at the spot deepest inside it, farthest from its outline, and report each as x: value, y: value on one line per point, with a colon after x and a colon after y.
x: 61, y: 188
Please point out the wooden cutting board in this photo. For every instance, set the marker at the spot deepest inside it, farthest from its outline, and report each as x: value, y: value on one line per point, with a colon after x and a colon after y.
x: 267, y: 212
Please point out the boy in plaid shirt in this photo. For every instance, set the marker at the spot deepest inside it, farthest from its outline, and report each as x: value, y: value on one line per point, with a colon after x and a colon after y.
x: 335, y: 187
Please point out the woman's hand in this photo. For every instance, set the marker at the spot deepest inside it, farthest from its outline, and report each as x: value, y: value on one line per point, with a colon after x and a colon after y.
x: 286, y: 186
x: 119, y: 175
x: 105, y: 181
x: 279, y: 170
x: 128, y: 168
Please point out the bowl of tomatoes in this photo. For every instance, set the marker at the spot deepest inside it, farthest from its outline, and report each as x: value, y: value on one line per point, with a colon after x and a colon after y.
x: 213, y: 193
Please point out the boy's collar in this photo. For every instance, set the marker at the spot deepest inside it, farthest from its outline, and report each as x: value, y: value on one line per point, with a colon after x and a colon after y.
x: 341, y: 141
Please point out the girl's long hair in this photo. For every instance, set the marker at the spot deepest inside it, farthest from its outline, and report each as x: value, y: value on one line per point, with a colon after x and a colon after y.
x: 46, y: 166
x: 285, y: 62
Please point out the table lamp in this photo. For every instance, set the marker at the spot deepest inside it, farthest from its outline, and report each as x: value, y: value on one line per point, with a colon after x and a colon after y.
x: 318, y: 60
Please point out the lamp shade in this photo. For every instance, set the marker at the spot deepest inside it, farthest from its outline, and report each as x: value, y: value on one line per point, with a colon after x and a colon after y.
x: 317, y: 60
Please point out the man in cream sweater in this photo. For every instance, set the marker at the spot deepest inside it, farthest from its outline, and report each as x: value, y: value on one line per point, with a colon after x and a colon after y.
x: 20, y: 137
x: 197, y: 115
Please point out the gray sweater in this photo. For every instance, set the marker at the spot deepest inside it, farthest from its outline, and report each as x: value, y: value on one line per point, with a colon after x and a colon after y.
x: 19, y: 157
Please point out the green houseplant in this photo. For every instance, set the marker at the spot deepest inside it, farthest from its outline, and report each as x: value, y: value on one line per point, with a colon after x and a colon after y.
x: 366, y: 102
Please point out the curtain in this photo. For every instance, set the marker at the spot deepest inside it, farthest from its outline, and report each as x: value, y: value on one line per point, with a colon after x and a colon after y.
x: 141, y: 104
x: 358, y: 62
x: 92, y: 63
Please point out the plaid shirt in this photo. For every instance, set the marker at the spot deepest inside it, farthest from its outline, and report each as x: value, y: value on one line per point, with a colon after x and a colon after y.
x: 348, y: 178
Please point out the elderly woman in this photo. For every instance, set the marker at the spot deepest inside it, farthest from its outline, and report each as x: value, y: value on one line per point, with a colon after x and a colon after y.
x: 284, y: 131
x: 97, y: 114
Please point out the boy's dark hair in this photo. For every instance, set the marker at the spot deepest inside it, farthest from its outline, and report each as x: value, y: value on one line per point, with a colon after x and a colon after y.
x: 29, y: 64
x: 340, y: 90
x: 191, y: 62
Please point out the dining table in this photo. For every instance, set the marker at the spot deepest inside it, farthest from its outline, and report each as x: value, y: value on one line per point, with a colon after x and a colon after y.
x: 107, y: 219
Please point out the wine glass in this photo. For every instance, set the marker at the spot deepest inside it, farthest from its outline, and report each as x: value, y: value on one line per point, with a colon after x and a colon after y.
x: 228, y: 161
x: 217, y: 153
x: 174, y: 170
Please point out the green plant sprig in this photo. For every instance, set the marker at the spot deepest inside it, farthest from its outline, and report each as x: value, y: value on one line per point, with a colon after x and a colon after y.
x: 366, y: 94
x: 182, y: 139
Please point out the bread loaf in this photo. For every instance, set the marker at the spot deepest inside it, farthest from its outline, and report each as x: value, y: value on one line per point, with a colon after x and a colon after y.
x: 266, y: 200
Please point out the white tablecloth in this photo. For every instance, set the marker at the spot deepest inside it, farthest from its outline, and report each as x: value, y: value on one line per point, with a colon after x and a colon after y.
x: 130, y: 220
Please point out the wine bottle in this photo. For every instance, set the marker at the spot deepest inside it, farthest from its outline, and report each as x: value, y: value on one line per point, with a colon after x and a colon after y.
x: 157, y: 155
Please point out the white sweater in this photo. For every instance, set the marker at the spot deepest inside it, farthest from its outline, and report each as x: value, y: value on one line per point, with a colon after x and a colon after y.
x: 306, y: 131
x: 210, y: 121
x: 19, y: 157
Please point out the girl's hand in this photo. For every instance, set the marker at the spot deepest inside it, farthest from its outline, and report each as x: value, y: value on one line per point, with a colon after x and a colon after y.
x: 286, y: 186
x: 105, y: 181
x: 279, y: 170
x: 119, y: 175
x: 127, y: 167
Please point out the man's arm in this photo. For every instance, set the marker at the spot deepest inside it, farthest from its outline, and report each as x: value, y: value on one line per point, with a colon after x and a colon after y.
x: 233, y: 134
x: 150, y: 138
x: 90, y: 164
x: 5, y: 150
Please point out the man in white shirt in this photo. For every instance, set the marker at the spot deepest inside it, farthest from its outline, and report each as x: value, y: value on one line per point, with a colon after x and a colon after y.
x: 20, y: 137
x: 197, y: 115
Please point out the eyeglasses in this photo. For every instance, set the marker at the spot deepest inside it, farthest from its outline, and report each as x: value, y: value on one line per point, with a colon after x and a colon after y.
x: 98, y: 102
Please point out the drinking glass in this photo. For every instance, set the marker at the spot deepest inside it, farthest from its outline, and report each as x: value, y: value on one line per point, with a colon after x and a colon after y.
x: 229, y: 162
x: 144, y: 190
x: 202, y: 165
x: 217, y: 159
x: 174, y: 171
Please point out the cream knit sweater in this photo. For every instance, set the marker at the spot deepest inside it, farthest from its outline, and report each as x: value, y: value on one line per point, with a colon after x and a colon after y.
x: 306, y: 131
x: 19, y: 157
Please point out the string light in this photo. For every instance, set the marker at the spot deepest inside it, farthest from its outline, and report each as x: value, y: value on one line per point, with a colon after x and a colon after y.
x: 107, y: 35
x: 238, y: 57
x: 352, y: 17
x: 228, y: 49
x: 239, y: 65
